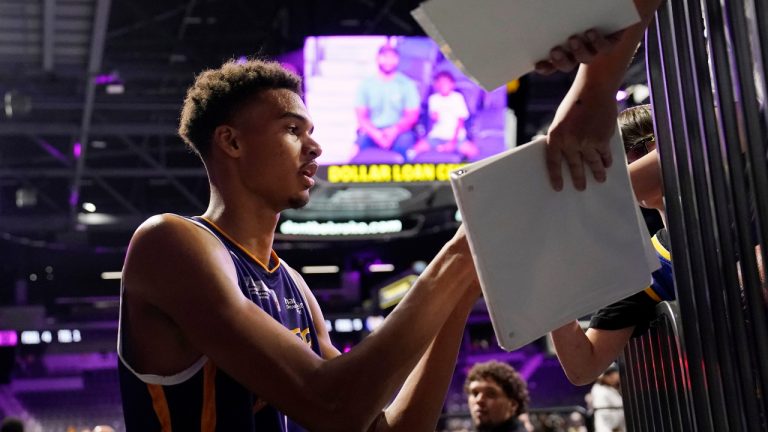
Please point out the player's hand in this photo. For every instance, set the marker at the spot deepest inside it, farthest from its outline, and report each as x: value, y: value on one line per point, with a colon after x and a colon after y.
x: 580, y: 134
x: 579, y: 48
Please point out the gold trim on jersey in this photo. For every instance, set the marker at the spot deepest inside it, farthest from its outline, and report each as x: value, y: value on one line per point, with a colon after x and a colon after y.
x: 208, y: 416
x: 661, y: 249
x: 273, y: 254
x: 160, y: 406
x: 652, y: 294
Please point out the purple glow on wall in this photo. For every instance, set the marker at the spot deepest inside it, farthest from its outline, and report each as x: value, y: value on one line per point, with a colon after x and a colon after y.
x: 105, y: 79
x: 77, y: 150
x: 74, y: 197
x: 242, y: 60
x: 8, y: 338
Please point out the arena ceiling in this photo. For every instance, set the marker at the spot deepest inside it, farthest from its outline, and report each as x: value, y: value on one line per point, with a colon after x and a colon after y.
x: 92, y: 90
x: 104, y: 80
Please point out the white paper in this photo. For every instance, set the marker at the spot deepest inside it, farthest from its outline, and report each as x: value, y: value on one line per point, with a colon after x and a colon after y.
x: 545, y: 258
x: 497, y: 41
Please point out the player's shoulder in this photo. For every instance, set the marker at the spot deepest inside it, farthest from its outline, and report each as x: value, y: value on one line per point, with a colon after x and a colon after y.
x: 171, y: 237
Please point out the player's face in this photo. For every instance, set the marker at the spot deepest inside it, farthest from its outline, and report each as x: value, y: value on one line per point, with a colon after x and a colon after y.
x: 444, y: 85
x: 488, y: 404
x: 388, y: 61
x: 278, y: 153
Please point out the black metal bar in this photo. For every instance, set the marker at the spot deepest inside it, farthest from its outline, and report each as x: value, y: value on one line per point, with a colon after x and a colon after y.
x: 702, y: 229
x: 662, y: 384
x: 723, y: 276
x: 731, y: 148
x: 660, y: 77
x: 628, y: 393
x: 651, y: 402
x: 678, y: 406
x: 640, y: 388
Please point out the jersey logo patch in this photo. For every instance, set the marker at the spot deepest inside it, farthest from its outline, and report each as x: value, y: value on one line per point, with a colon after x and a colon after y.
x: 292, y: 304
x: 261, y: 291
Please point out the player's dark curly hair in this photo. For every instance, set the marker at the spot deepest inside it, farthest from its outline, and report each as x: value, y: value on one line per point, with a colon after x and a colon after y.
x: 506, y: 377
x: 217, y: 94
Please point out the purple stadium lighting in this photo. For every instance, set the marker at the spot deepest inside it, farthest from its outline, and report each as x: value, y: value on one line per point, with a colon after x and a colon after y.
x: 242, y: 60
x: 8, y: 338
x: 74, y: 197
x: 105, y: 79
x: 77, y: 150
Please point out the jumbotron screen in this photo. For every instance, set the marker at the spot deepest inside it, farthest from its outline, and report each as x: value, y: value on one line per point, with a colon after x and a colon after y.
x: 394, y: 109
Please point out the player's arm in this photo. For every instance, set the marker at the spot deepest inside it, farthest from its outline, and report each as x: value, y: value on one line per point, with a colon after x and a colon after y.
x: 170, y: 259
x: 418, y: 405
x: 585, y: 355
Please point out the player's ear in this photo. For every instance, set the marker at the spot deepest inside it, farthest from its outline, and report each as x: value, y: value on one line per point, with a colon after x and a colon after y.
x: 226, y: 138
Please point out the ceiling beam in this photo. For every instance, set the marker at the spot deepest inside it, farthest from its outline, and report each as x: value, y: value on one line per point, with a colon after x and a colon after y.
x: 100, y: 23
x: 49, y: 27
x: 100, y: 129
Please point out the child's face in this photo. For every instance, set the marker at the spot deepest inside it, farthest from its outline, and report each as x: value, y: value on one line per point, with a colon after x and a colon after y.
x: 444, y: 85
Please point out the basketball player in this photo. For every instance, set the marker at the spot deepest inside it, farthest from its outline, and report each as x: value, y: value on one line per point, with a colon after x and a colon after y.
x: 217, y: 333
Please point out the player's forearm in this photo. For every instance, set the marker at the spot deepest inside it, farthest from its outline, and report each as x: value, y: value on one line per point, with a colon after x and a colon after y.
x: 575, y: 352
x: 376, y: 368
x: 419, y: 403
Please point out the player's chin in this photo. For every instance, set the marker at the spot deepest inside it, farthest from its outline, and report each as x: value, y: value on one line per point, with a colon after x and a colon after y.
x: 299, y: 200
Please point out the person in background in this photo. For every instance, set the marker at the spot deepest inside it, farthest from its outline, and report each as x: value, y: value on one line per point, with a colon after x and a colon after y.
x: 607, y: 403
x: 497, y: 396
x: 448, y: 112
x: 387, y: 107
x: 11, y: 424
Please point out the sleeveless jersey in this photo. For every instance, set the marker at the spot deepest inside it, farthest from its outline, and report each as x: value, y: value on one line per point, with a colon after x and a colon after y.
x: 204, y: 398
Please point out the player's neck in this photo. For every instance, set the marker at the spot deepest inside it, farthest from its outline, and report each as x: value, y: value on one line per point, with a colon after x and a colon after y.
x: 249, y: 223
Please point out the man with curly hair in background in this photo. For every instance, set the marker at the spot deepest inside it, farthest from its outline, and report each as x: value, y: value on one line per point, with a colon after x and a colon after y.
x: 497, y: 397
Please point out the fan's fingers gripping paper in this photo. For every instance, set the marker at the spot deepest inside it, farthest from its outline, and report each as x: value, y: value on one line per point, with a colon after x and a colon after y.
x: 496, y: 41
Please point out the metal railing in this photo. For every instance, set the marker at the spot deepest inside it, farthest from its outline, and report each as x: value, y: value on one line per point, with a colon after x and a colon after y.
x: 708, y: 370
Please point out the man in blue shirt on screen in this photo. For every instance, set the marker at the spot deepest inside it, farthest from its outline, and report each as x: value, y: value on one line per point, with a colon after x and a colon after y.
x: 387, y: 107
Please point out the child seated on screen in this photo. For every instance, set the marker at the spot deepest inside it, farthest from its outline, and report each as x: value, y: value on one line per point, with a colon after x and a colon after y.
x: 448, y: 113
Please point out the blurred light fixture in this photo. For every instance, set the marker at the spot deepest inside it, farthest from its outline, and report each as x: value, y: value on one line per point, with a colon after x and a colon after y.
x: 89, y: 207
x: 112, y: 275
x: 381, y: 268
x: 26, y: 197
x: 320, y: 269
